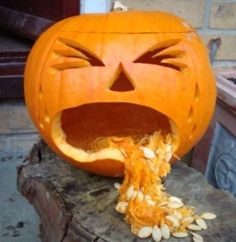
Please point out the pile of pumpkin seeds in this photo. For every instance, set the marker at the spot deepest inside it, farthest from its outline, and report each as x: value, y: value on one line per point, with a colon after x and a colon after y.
x: 175, y: 223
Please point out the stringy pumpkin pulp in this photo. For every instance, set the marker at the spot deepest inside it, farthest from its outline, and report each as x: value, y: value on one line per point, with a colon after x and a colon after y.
x: 142, y: 198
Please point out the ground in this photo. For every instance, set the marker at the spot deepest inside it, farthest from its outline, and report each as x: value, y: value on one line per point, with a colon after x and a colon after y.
x: 18, y: 219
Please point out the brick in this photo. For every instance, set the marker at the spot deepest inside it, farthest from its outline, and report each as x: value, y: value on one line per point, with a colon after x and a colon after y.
x: 223, y: 15
x: 190, y: 10
x: 14, y: 118
x: 226, y: 50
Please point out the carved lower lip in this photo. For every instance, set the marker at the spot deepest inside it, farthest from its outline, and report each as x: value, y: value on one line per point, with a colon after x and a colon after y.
x: 74, y: 128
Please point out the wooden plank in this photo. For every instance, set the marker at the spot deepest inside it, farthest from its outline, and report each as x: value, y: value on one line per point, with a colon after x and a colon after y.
x: 77, y: 206
x: 227, y: 91
x: 202, y: 149
x: 225, y: 115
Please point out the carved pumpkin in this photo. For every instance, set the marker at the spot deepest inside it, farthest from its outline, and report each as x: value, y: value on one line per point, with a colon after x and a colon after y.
x: 117, y: 74
x: 99, y: 86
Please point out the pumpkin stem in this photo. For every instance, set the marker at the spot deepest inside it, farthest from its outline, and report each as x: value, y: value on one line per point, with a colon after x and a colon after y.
x: 119, y: 7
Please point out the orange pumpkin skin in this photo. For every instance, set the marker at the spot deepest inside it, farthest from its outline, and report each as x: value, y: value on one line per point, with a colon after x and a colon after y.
x: 73, y: 66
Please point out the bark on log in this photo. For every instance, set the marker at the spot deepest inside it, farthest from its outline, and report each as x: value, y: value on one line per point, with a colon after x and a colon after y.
x: 74, y: 205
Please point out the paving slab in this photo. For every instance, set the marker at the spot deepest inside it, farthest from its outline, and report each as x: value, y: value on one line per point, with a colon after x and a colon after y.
x: 18, y: 219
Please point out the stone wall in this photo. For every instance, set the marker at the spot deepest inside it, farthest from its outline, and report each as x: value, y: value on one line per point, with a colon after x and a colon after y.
x: 212, y: 18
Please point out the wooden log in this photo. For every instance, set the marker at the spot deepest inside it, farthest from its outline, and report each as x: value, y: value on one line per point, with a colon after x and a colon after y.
x: 74, y: 205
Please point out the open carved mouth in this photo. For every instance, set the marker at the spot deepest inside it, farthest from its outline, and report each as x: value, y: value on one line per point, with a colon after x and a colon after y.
x: 75, y: 128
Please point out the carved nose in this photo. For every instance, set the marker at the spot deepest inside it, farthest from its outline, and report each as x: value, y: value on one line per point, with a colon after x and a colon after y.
x: 122, y: 82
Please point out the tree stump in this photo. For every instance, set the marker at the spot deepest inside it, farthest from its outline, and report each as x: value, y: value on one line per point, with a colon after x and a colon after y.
x: 74, y: 205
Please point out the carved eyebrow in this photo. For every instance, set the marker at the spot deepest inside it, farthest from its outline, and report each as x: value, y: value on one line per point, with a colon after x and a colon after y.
x: 78, y: 56
x: 162, y: 55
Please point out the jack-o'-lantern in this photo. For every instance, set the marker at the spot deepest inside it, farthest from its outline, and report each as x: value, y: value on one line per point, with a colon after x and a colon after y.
x: 130, y: 74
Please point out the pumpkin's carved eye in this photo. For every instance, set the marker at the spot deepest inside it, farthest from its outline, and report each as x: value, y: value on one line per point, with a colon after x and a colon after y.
x: 75, y: 56
x: 163, y: 55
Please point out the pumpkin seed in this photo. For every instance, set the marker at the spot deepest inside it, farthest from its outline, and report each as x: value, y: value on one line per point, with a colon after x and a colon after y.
x: 168, y: 148
x: 121, y: 207
x: 168, y: 156
x: 156, y: 233
x: 165, y: 231
x: 149, y: 200
x: 117, y: 185
x: 151, y: 203
x: 197, y: 236
x: 144, y: 232
x: 148, y: 153
x: 188, y: 220
x: 140, y: 195
x: 194, y: 227
x: 173, y: 220
x: 208, y: 216
x: 201, y: 223
x: 129, y: 192
x: 134, y: 230
x: 178, y: 215
x: 196, y: 239
x: 134, y: 194
x: 175, y: 199
x: 148, y: 197
x: 180, y: 234
x: 174, y: 205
